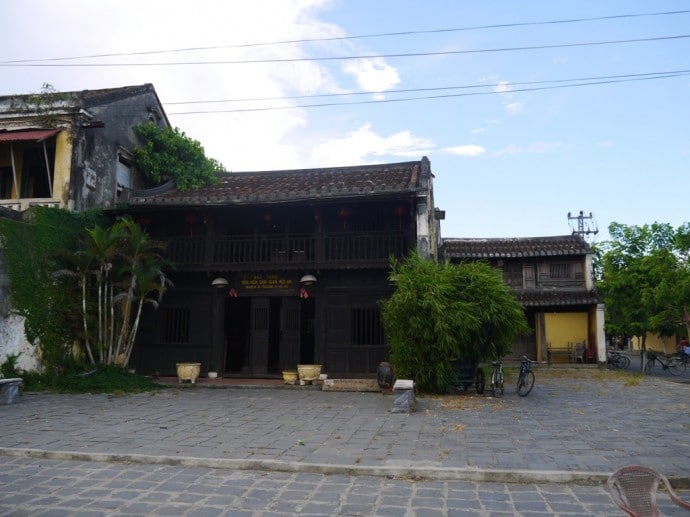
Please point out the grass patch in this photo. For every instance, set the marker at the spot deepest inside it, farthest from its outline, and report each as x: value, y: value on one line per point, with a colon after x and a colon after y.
x: 102, y: 379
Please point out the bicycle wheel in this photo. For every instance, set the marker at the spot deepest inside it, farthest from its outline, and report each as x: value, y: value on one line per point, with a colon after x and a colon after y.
x: 525, y: 383
x: 479, y: 381
x: 500, y: 382
x: 625, y: 362
x: 649, y: 366
x: 676, y: 366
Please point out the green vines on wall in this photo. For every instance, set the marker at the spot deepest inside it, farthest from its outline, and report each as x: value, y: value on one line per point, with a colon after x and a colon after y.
x: 48, y: 303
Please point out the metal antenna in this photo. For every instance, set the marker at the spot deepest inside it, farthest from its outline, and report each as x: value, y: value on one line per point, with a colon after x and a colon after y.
x: 586, y: 225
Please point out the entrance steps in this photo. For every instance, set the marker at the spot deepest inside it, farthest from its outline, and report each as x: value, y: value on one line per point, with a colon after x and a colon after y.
x: 350, y: 385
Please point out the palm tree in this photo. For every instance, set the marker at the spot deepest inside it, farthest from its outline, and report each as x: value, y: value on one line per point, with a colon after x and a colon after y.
x: 128, y: 269
x: 142, y: 276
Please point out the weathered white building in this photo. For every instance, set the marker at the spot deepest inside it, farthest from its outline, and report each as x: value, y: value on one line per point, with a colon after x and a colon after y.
x: 70, y: 150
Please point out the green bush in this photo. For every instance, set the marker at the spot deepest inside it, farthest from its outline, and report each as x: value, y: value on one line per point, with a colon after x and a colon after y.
x: 168, y: 153
x: 440, y: 312
x: 89, y: 379
x: 8, y: 368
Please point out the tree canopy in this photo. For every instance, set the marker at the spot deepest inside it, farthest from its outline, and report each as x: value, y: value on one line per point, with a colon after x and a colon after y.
x: 168, y: 153
x: 643, y: 274
x: 440, y: 312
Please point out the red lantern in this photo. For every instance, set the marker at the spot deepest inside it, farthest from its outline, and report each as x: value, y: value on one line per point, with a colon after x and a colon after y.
x: 400, y: 210
x: 344, y: 213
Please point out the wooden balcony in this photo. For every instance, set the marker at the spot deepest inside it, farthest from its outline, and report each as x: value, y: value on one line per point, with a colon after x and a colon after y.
x: 286, y: 252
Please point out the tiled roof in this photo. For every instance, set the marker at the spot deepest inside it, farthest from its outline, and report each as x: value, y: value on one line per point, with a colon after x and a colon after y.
x: 293, y: 185
x: 88, y: 97
x: 515, y: 247
x: 104, y: 95
x: 72, y: 102
x: 557, y: 297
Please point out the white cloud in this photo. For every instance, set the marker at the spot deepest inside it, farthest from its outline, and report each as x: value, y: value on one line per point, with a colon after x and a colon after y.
x: 514, y: 108
x: 535, y: 148
x: 365, y: 146
x: 503, y: 87
x: 465, y: 150
x: 372, y: 75
x: 505, y: 90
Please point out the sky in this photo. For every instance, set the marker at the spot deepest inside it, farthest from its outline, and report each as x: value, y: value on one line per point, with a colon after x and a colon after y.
x: 529, y: 110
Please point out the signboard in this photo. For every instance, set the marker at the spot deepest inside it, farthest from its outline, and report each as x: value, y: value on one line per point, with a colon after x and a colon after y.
x: 268, y: 283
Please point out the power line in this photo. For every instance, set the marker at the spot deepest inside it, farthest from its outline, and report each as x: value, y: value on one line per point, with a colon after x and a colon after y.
x: 362, y: 36
x: 440, y: 96
x: 343, y: 58
x: 650, y: 75
x: 530, y: 86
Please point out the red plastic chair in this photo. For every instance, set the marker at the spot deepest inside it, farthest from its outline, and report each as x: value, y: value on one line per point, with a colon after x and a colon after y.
x: 633, y: 489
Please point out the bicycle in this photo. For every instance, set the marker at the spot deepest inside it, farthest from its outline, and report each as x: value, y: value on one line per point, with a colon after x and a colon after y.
x: 672, y: 363
x: 525, y: 381
x: 497, y: 378
x: 617, y: 360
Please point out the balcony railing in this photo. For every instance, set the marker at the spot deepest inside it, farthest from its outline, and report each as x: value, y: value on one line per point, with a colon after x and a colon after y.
x: 333, y: 249
x: 25, y: 203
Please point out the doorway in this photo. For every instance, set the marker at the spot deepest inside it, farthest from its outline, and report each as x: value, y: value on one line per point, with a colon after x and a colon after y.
x: 265, y: 335
x: 236, y: 335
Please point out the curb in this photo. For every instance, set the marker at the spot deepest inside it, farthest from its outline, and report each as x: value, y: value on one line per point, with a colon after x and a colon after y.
x: 392, y: 472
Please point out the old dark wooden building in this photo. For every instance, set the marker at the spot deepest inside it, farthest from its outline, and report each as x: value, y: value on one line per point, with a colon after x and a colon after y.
x: 279, y: 268
x: 552, y: 279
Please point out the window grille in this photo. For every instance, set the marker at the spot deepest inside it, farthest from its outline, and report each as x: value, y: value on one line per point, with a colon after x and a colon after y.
x: 176, y: 325
x: 562, y: 271
x: 366, y: 327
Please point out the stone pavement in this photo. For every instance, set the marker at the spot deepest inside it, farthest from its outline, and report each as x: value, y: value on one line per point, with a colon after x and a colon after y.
x: 548, y: 453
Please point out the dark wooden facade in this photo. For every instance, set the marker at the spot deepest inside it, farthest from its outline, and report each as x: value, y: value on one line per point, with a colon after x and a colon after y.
x: 241, y: 248
x: 551, y: 277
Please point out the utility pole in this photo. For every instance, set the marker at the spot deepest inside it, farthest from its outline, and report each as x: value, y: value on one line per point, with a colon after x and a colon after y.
x: 586, y: 225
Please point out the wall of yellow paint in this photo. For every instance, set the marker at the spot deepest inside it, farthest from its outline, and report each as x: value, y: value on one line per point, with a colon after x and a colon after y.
x: 665, y: 344
x: 63, y: 166
x: 562, y: 328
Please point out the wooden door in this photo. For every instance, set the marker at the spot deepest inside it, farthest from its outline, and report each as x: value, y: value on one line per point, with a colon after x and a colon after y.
x: 289, y: 333
x: 259, y: 334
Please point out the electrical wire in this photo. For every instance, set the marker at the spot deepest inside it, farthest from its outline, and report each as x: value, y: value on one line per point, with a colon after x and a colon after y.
x: 650, y: 75
x: 344, y: 58
x: 440, y: 96
x: 362, y: 36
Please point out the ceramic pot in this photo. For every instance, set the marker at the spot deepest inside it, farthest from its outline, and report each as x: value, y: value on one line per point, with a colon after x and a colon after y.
x: 188, y: 372
x: 290, y: 376
x: 384, y: 376
x: 309, y: 372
